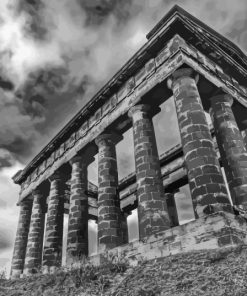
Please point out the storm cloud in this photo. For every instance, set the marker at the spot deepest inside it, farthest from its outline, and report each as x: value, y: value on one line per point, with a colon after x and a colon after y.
x: 54, y: 55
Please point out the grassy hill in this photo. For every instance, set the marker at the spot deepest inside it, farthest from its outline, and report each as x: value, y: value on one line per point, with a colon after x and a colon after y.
x: 221, y: 273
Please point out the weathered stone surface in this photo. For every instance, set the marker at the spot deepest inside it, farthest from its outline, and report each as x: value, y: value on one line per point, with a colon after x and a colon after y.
x: 232, y: 148
x: 52, y: 253
x: 204, y: 172
x: 110, y: 233
x: 77, y: 240
x: 152, y: 209
x: 21, y: 239
x: 35, y: 236
x: 216, y: 231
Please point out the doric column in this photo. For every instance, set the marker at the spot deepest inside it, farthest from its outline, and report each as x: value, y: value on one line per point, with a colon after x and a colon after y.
x: 152, y: 208
x: 109, y: 214
x: 77, y: 241
x: 21, y: 239
x: 204, y: 172
x: 36, y: 233
x: 52, y: 254
x: 232, y: 148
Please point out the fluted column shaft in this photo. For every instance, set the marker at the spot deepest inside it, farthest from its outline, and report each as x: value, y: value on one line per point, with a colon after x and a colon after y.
x: 110, y: 233
x: 35, y: 236
x: 52, y: 253
x: 204, y: 172
x: 77, y: 241
x: 152, y: 208
x: 232, y: 147
x: 21, y: 239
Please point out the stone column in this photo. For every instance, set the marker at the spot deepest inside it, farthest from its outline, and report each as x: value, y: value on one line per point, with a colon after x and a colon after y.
x: 21, y: 239
x: 152, y: 208
x: 205, y: 178
x: 109, y: 213
x: 52, y: 254
x: 35, y: 236
x: 77, y: 241
x: 232, y: 148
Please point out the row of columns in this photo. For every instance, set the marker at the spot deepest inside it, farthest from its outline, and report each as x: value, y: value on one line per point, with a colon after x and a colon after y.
x: 205, y: 179
x: 204, y: 172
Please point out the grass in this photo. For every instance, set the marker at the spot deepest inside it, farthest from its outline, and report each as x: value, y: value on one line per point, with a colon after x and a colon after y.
x: 221, y: 273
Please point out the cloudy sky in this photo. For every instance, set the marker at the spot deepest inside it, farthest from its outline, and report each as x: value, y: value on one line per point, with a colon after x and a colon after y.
x: 55, y: 54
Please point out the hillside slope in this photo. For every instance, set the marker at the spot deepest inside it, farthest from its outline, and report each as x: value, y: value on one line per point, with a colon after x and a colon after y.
x: 208, y: 273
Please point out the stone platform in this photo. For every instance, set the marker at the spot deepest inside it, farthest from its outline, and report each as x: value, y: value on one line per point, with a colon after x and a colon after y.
x: 218, y: 230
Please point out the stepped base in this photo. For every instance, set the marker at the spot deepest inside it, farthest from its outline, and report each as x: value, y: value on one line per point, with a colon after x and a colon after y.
x: 215, y: 231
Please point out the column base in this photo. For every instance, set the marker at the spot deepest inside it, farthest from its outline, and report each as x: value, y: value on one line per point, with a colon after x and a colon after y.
x: 16, y: 274
x: 49, y: 269
x: 215, y: 208
x: 74, y: 260
x: 31, y: 271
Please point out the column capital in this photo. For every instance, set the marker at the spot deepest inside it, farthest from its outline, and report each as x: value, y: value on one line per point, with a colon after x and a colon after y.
x: 222, y: 98
x: 182, y: 73
x: 25, y: 202
x: 82, y: 159
x: 107, y: 139
x: 75, y: 159
x: 143, y: 108
x: 57, y: 175
x: 37, y: 191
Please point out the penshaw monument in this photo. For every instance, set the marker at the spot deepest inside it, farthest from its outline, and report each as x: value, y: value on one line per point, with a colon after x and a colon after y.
x: 204, y: 73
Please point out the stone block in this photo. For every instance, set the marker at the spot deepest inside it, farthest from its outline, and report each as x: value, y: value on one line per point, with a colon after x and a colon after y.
x: 140, y: 76
x: 162, y: 56
x: 106, y: 107
x: 150, y: 67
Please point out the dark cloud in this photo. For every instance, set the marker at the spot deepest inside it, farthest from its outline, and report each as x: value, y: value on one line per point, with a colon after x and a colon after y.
x: 97, y: 10
x: 64, y: 51
x: 5, y: 84
x: 17, y: 133
x: 34, y: 25
x: 6, y: 159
